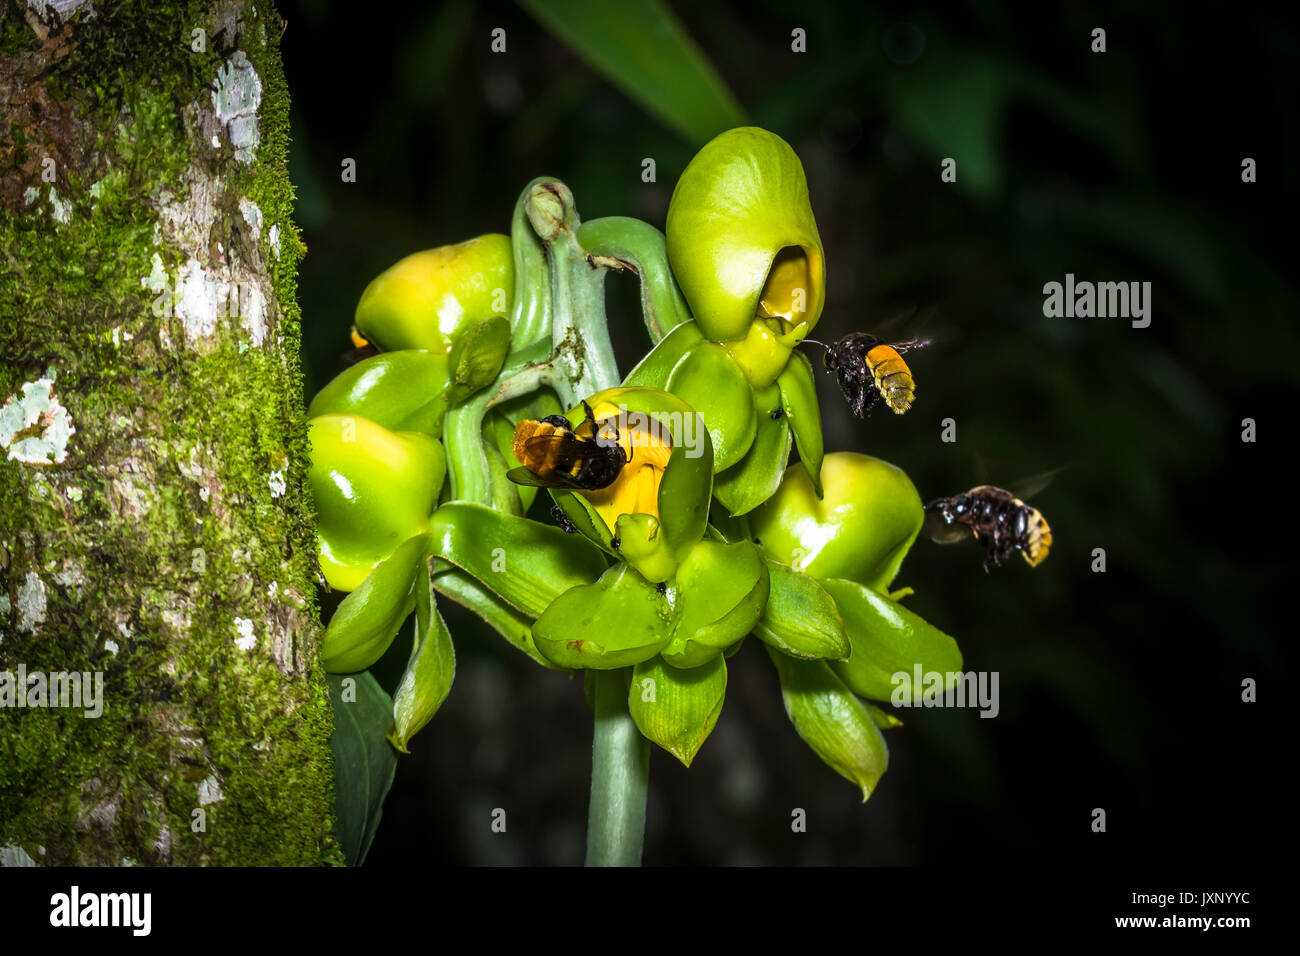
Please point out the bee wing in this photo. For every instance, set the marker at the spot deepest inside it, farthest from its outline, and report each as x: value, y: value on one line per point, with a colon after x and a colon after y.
x: 1026, y: 488
x: 941, y: 532
x: 909, y: 328
x: 522, y: 476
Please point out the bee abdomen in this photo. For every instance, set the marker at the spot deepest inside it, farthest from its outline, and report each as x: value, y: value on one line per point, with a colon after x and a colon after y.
x: 893, y: 378
x: 1038, y: 539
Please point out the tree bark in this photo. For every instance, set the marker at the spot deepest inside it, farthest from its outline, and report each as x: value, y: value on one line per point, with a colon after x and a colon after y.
x: 154, y: 525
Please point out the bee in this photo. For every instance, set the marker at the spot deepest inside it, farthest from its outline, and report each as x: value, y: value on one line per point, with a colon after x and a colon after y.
x: 554, y: 454
x: 868, y: 368
x: 1000, y: 521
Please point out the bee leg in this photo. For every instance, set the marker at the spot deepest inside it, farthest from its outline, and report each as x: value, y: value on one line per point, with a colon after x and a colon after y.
x: 562, y: 520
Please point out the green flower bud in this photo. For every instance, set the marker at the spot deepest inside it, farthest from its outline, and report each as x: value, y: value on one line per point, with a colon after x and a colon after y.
x: 742, y: 239
x: 425, y: 300
x: 860, y: 530
x: 373, y: 489
x: 397, y: 390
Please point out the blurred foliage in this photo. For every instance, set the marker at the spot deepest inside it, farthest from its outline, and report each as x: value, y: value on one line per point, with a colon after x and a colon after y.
x: 1118, y: 690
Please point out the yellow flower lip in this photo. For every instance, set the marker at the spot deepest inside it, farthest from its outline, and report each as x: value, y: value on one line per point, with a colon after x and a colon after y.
x: 648, y: 447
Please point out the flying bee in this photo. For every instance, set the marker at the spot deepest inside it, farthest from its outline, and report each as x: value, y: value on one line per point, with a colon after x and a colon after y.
x: 868, y: 368
x: 1000, y: 521
x: 554, y: 454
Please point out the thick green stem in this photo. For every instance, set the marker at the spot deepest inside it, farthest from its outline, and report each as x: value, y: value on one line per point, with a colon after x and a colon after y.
x: 583, y: 356
x: 623, y: 243
x: 620, y: 775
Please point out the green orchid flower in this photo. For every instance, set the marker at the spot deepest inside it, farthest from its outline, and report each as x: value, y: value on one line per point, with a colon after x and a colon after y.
x: 744, y: 247
x: 427, y: 299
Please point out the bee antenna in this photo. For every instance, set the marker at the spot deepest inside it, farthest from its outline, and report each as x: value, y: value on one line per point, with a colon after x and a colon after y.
x: 815, y: 342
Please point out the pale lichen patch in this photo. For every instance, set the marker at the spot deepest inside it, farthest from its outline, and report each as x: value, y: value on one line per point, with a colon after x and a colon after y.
x: 253, y: 216
x: 236, y: 97
x: 274, y: 236
x: 276, y: 483
x: 210, y: 791
x: 246, y: 641
x: 34, y: 425
x: 31, y: 603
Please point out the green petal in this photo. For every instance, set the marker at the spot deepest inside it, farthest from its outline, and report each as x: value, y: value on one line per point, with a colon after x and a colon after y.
x: 709, y: 380
x: 654, y: 369
x: 617, y: 621
x: 799, y: 400
x: 745, y: 486
x: 500, y: 616
x: 834, y: 723
x: 888, y: 639
x: 427, y: 679
x: 365, y: 623
x: 477, y: 356
x: 677, y: 709
x: 526, y: 563
x: 800, y: 618
x: 402, y: 391
x: 719, y: 593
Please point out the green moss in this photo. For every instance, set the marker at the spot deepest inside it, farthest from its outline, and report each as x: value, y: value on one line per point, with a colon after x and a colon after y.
x: 78, y: 307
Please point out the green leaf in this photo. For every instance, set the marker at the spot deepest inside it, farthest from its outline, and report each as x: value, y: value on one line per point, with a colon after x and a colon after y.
x: 833, y: 722
x: 800, y: 618
x: 653, y: 370
x: 477, y: 357
x: 642, y: 48
x: 884, y: 719
x: 677, y: 709
x: 617, y: 621
x: 526, y: 563
x: 430, y: 671
x: 799, y: 401
x: 888, y: 639
x: 708, y: 379
x: 402, y: 391
x: 719, y: 592
x: 745, y: 486
x: 364, y: 763
x: 500, y: 616
x: 365, y: 623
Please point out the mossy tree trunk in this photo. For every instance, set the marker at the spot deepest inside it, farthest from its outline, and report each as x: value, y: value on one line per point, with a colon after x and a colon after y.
x: 153, y: 522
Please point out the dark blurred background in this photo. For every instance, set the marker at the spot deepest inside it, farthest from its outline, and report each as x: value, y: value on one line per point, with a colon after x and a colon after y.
x: 1119, y: 690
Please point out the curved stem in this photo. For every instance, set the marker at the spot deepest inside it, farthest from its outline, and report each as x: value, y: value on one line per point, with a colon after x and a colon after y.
x: 620, y: 775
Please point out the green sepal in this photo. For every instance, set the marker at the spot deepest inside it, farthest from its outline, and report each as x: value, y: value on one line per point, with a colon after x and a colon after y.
x: 644, y: 548
x: 365, y: 623
x: 526, y: 563
x: 745, y: 486
x: 888, y: 639
x: 834, y: 723
x: 800, y: 618
x: 710, y: 381
x: 884, y: 719
x: 402, y: 391
x: 477, y: 357
x: 430, y: 670
x: 619, y: 620
x: 653, y: 370
x: 799, y: 401
x: 677, y: 709
x: 718, y: 594
x: 496, y: 613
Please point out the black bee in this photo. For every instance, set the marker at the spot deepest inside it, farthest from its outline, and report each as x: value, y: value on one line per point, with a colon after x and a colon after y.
x: 868, y: 368
x: 1000, y: 521
x: 562, y: 520
x: 554, y: 454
